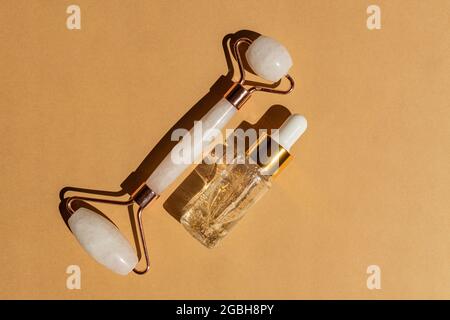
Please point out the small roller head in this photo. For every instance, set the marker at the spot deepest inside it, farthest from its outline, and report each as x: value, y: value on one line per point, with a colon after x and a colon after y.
x: 268, y: 58
x: 103, y: 241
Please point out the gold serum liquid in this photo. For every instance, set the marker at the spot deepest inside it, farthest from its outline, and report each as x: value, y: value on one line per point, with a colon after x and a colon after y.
x: 212, y: 212
x: 231, y: 189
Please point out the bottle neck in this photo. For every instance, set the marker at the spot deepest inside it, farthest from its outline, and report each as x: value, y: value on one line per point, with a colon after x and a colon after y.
x: 270, y: 156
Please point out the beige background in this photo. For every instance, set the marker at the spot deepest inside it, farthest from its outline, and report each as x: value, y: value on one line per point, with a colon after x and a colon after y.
x: 370, y: 183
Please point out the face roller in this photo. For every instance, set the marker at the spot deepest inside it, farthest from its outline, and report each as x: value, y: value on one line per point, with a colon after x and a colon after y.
x: 101, y: 238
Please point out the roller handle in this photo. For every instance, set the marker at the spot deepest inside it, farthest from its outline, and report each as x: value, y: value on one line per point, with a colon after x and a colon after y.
x: 191, y: 146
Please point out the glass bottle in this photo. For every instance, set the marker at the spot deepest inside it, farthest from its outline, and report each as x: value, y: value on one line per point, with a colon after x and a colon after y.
x: 230, y: 189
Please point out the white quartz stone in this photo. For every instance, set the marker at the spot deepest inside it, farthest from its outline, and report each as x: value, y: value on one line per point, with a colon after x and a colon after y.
x: 168, y: 170
x: 268, y: 58
x: 103, y: 241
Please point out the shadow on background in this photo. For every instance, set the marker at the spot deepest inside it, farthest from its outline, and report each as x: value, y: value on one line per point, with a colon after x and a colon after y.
x: 196, y: 112
x: 273, y: 118
x: 165, y: 145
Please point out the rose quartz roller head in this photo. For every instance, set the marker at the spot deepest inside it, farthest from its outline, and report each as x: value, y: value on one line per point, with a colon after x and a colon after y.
x: 269, y: 59
x: 102, y: 239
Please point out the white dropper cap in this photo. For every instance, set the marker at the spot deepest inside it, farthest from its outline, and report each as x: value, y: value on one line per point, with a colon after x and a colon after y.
x: 290, y: 131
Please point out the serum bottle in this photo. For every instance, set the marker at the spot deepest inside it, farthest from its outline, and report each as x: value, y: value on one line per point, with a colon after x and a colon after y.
x: 235, y: 187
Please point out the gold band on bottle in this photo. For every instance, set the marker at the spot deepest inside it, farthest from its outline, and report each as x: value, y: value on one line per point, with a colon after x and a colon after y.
x: 269, y: 155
